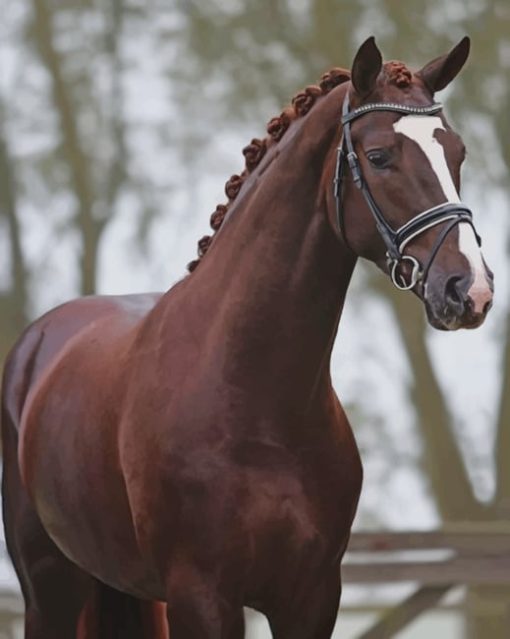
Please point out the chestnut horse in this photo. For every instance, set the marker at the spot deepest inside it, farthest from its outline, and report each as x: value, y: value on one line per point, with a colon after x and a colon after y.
x: 188, y: 448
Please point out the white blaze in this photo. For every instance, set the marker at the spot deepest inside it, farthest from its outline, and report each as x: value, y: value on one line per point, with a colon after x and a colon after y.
x: 421, y: 129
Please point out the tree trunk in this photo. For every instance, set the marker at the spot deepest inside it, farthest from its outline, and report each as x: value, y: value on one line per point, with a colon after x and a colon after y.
x: 13, y: 303
x: 90, y: 227
x: 442, y: 459
x: 487, y: 607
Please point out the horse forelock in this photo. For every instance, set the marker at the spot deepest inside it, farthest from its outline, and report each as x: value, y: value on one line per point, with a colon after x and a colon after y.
x: 253, y: 153
x: 398, y: 74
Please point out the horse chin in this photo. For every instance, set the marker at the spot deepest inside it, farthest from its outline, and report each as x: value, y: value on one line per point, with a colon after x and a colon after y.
x: 443, y: 324
x: 451, y: 322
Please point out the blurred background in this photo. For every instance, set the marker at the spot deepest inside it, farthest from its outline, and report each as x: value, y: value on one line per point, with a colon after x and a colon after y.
x: 120, y: 122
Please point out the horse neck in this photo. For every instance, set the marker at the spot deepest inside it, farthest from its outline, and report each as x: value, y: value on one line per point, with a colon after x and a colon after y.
x: 276, y: 275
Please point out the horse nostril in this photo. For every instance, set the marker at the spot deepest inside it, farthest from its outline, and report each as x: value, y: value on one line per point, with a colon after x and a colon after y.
x: 461, y: 302
x: 453, y: 296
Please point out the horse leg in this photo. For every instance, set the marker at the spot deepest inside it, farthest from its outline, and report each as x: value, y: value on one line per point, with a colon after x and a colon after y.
x: 111, y: 614
x: 189, y: 620
x: 54, y: 589
x: 312, y: 615
x: 197, y: 610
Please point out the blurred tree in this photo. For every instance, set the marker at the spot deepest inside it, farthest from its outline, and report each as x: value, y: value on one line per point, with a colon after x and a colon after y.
x: 484, y: 90
x: 13, y: 299
x: 93, y: 186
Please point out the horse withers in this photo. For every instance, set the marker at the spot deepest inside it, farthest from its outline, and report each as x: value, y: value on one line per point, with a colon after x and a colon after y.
x: 169, y: 459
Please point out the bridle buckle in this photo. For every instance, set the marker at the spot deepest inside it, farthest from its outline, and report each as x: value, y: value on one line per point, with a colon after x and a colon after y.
x: 352, y: 160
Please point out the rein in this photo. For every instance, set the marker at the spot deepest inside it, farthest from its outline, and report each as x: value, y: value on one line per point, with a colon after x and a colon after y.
x: 394, y: 240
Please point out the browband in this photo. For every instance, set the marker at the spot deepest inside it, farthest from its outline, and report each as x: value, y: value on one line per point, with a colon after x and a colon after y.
x: 429, y: 109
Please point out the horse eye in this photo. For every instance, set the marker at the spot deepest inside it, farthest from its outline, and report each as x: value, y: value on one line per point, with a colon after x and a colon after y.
x: 378, y: 159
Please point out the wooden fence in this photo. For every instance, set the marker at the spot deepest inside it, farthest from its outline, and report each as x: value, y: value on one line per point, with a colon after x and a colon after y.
x: 458, y: 555
x: 437, y: 561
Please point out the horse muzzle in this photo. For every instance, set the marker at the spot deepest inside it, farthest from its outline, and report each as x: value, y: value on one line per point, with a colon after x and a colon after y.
x: 459, y: 303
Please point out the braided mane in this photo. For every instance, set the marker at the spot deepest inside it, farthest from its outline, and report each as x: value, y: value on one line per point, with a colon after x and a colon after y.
x: 253, y: 153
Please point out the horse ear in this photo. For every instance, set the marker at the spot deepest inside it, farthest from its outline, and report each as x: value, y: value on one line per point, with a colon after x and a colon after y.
x: 366, y: 67
x: 441, y: 71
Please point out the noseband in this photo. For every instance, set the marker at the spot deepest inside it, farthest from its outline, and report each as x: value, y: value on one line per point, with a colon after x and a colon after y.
x: 395, y: 240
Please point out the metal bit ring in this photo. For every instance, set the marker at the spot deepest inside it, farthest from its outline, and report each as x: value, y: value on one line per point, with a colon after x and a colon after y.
x: 400, y: 283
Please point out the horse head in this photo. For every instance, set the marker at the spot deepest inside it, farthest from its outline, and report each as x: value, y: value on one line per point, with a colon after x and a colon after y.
x: 397, y: 184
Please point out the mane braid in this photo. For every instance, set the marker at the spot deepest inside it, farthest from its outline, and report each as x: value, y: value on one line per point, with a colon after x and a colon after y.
x: 253, y: 153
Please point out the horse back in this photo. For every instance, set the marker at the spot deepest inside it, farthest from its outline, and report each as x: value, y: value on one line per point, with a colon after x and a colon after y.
x: 44, y: 340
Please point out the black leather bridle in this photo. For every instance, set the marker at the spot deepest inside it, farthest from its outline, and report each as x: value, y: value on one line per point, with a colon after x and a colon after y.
x: 395, y: 240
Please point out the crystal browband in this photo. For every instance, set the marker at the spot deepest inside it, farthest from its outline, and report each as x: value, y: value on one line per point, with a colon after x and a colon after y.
x: 430, y: 109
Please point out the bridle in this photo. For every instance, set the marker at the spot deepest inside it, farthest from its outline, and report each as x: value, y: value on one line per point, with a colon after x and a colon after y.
x: 395, y: 240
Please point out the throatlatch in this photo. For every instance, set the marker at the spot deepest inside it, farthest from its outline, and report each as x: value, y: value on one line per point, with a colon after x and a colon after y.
x: 394, y: 240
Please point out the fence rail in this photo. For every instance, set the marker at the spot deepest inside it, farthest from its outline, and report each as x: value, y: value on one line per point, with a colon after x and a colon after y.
x: 461, y: 554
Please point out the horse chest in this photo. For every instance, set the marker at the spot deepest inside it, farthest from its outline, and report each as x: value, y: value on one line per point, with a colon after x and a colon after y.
x: 296, y: 501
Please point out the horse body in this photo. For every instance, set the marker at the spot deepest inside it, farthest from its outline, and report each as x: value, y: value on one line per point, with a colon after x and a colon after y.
x: 184, y: 425
x: 189, y: 447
